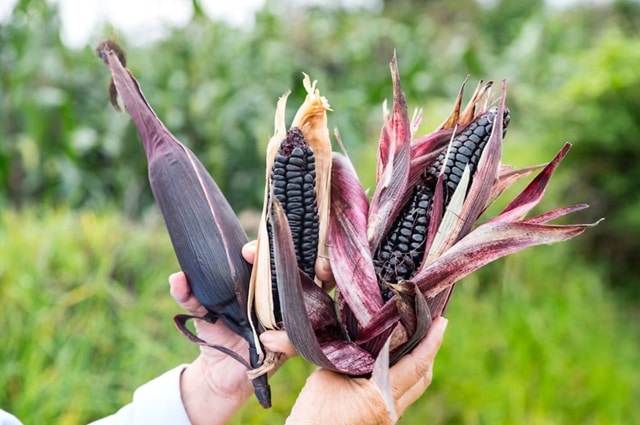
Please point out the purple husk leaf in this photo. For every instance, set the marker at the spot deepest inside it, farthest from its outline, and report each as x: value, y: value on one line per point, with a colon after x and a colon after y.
x: 507, y: 177
x: 382, y: 323
x: 533, y: 193
x: 397, y: 129
x: 308, y: 312
x: 488, y: 242
x: 496, y: 238
x: 380, y: 377
x: 351, y: 259
x: 495, y: 241
x: 167, y: 159
x: 221, y: 286
x: 395, y: 172
x: 454, y: 117
x: 552, y: 215
x: 415, y: 316
x: 486, y: 174
x: 481, y: 186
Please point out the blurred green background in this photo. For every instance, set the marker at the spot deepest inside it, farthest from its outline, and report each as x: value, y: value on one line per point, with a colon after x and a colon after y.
x: 547, y: 336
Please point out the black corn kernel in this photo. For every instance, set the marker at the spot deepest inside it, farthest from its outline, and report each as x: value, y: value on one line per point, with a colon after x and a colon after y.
x: 293, y: 179
x: 402, y: 251
x: 466, y: 149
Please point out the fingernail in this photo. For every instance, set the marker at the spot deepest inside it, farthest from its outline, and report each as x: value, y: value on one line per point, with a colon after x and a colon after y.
x: 443, y: 322
x: 323, y: 264
x: 172, y: 277
x: 267, y: 338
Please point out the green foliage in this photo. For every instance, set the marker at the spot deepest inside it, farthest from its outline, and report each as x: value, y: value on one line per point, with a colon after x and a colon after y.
x: 539, y: 338
x: 601, y: 104
x: 215, y: 87
x: 54, y: 145
x: 85, y: 299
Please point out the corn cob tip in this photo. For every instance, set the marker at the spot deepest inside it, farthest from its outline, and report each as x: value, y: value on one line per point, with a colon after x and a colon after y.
x: 103, y: 51
x: 109, y: 46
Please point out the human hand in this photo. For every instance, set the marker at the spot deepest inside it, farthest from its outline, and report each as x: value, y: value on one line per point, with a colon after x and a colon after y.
x: 332, y: 398
x: 278, y: 341
x: 215, y: 380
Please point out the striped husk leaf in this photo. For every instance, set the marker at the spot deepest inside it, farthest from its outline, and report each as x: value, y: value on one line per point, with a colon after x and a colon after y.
x: 206, y: 234
x: 403, y: 249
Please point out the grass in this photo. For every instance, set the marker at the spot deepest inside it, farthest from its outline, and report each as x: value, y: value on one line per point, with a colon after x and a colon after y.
x: 87, y: 315
x: 537, y: 340
x: 86, y: 319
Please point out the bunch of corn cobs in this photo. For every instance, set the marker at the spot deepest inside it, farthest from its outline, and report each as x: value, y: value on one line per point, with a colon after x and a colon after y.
x: 395, y: 256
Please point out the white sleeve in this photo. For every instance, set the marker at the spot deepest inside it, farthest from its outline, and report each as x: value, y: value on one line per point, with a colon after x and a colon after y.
x: 156, y: 402
x: 8, y: 419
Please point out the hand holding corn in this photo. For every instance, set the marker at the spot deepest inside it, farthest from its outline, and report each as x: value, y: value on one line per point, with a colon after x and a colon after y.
x: 214, y: 380
x: 396, y: 255
x: 330, y: 397
x: 215, y: 385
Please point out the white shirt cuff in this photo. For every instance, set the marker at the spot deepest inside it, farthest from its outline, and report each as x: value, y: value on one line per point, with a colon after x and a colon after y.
x: 156, y: 402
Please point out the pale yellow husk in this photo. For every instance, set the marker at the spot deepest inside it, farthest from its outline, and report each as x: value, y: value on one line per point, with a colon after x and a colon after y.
x: 311, y: 119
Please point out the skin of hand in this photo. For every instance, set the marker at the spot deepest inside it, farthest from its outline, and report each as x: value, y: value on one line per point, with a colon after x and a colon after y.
x: 331, y: 398
x: 215, y: 386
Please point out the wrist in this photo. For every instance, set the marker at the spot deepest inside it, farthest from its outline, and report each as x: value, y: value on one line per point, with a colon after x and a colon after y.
x: 204, y: 402
x: 332, y: 398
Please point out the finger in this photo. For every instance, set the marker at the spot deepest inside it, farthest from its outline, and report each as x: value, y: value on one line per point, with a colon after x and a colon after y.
x: 324, y: 273
x: 278, y: 342
x: 179, y: 287
x: 415, y: 367
x: 249, y: 251
x: 181, y: 292
x: 414, y: 393
x: 323, y: 268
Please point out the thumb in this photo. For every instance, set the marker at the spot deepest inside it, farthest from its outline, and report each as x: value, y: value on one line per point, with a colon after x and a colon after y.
x: 181, y: 292
x: 413, y: 372
x: 278, y: 342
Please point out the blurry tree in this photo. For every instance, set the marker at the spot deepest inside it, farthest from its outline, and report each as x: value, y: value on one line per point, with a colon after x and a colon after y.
x: 600, y: 105
x: 504, y: 20
x: 57, y: 144
x: 215, y: 86
x: 628, y: 12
